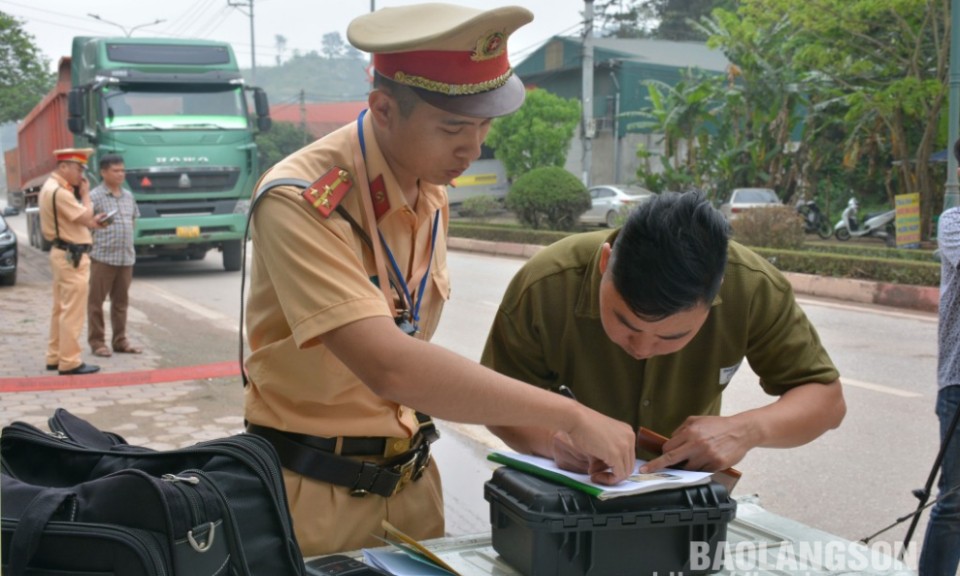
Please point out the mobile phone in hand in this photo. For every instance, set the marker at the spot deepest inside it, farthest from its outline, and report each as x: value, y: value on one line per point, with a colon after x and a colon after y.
x: 108, y: 217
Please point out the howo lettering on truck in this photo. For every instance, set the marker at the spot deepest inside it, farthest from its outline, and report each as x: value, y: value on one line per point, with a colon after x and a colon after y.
x: 177, y: 112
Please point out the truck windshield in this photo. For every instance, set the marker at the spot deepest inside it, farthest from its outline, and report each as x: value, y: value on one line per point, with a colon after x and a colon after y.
x: 135, y: 109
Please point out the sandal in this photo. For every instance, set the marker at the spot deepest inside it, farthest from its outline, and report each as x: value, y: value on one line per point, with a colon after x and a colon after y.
x: 127, y: 349
x: 102, y: 352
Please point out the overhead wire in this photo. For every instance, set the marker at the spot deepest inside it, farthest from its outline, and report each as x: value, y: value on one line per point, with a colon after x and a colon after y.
x: 188, y: 15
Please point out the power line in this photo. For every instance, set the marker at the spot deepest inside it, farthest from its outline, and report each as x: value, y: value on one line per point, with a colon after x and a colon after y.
x: 187, y: 16
x: 201, y: 18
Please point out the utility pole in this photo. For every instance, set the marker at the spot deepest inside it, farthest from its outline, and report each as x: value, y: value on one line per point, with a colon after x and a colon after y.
x: 303, y: 114
x: 253, y: 47
x: 616, y: 126
x: 126, y: 31
x: 587, y: 92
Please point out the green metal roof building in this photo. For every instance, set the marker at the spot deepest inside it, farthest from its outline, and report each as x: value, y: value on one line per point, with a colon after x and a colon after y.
x: 620, y: 68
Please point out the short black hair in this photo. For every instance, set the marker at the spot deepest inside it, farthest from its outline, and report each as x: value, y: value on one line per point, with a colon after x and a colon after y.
x: 956, y: 150
x: 405, y: 96
x: 670, y: 255
x: 108, y: 160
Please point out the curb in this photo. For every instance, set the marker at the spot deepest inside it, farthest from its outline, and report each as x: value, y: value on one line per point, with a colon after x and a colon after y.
x: 919, y: 298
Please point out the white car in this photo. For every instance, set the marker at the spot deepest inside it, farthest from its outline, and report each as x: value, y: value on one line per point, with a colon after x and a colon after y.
x: 607, y: 201
x: 746, y: 198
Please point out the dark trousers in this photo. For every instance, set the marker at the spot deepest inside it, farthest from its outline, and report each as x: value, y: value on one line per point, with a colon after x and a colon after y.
x: 113, y: 281
x: 940, y: 555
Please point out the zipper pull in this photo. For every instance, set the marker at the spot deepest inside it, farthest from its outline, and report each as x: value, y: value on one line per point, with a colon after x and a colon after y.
x: 174, y: 478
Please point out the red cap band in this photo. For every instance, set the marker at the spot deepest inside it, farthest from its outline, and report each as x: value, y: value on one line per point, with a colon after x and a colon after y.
x: 72, y: 157
x: 445, y: 72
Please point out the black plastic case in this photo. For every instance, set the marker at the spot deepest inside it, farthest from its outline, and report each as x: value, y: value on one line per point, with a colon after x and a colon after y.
x: 546, y: 529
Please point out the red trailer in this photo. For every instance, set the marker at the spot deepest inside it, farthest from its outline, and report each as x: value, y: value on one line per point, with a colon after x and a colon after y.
x: 41, y: 132
x: 11, y: 162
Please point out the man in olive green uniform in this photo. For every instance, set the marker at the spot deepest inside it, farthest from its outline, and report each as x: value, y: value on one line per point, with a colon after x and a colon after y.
x: 66, y: 217
x: 349, y: 277
x: 649, y: 323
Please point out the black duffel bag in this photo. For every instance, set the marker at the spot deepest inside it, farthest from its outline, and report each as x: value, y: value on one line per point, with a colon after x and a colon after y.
x: 82, y: 501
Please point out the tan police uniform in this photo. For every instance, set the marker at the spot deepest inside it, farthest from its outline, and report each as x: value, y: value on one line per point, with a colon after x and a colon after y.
x: 70, y: 283
x: 312, y: 273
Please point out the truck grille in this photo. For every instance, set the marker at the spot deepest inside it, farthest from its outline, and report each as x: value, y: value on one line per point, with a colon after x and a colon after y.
x: 171, y: 180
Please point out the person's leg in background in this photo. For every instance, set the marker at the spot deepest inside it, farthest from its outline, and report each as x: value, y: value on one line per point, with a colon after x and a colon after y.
x: 941, y: 545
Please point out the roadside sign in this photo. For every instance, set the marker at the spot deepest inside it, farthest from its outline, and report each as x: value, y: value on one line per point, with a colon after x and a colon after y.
x: 908, y: 220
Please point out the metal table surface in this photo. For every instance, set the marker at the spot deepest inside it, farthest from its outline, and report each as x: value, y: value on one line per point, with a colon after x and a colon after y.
x: 759, y: 543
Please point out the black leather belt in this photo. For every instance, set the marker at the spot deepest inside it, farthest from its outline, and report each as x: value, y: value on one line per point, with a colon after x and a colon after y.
x: 315, y: 457
x: 82, y: 248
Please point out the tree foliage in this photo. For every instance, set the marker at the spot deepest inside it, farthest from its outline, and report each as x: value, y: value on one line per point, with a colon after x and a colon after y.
x: 333, y: 44
x: 884, y: 65
x: 23, y: 71
x: 824, y: 99
x: 661, y: 19
x: 321, y: 79
x: 283, y: 139
x: 537, y: 135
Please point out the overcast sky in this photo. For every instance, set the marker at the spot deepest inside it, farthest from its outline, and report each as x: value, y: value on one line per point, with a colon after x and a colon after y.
x: 303, y: 22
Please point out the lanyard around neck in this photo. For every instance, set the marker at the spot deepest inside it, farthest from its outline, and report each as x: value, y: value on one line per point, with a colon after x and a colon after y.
x: 413, y: 308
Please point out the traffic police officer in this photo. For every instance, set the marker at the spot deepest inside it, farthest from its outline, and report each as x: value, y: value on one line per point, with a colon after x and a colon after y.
x: 349, y: 276
x: 66, y: 217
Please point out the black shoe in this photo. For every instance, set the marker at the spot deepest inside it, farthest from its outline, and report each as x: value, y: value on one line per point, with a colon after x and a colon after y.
x: 51, y: 366
x: 83, y: 368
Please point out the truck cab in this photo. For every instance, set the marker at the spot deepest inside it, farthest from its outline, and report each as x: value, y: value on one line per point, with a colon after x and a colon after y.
x: 179, y: 114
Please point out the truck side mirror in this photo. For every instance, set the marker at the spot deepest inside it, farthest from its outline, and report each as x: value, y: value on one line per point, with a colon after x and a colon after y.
x: 263, y: 109
x: 75, y: 111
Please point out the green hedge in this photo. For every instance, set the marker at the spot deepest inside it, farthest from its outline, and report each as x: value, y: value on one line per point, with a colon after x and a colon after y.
x: 505, y: 233
x: 897, y: 271
x: 879, y: 264
x: 878, y: 251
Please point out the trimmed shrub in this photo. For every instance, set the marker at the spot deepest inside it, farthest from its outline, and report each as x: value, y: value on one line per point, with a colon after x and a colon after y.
x: 548, y: 197
x: 770, y: 226
x: 502, y: 233
x: 870, y: 251
x: 479, y: 208
x: 863, y: 268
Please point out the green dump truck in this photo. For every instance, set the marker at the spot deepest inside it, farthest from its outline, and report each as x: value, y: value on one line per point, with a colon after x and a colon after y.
x: 183, y: 120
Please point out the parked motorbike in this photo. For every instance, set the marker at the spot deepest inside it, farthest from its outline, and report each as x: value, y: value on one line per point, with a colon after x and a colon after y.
x: 880, y: 225
x: 814, y: 220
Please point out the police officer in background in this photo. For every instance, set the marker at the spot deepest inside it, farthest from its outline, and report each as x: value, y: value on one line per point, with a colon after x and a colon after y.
x: 66, y: 218
x: 349, y: 276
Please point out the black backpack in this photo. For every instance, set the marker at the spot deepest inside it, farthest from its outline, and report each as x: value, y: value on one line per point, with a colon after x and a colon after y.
x: 82, y: 501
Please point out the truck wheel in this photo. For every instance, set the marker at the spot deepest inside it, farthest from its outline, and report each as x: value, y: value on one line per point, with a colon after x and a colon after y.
x: 232, y: 255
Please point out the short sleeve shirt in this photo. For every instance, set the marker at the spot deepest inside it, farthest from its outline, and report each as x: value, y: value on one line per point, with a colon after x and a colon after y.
x: 547, y: 332
x: 948, y: 240
x: 312, y: 274
x: 68, y: 210
x: 113, y: 245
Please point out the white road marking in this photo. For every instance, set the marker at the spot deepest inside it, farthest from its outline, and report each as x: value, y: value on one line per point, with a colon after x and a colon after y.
x: 892, y: 313
x: 879, y: 388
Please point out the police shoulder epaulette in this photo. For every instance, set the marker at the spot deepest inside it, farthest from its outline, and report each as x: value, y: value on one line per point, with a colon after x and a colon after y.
x: 328, y: 190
